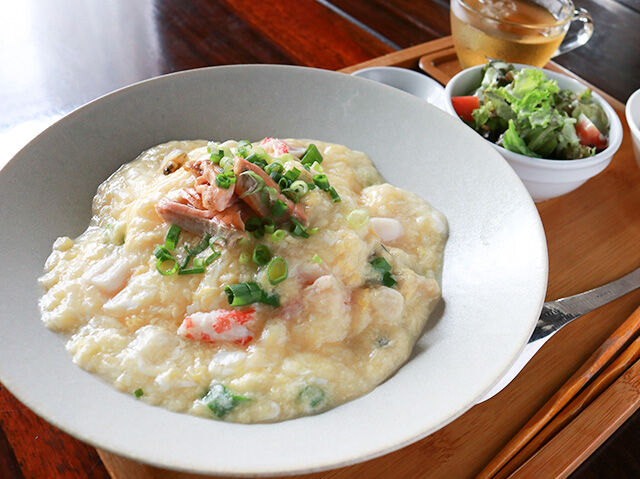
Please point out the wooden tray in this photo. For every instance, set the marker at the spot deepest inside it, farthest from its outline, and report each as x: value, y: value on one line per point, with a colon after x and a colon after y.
x: 592, y: 235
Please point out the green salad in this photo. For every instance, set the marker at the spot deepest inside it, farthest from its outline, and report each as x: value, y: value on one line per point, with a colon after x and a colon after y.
x: 527, y: 113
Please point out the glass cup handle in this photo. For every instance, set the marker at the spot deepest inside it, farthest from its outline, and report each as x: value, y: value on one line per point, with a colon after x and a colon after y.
x: 578, y: 39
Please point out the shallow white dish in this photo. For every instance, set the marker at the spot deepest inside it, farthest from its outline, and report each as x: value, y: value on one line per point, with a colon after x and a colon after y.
x: 545, y: 178
x: 494, y: 277
x: 409, y: 81
x: 632, y: 112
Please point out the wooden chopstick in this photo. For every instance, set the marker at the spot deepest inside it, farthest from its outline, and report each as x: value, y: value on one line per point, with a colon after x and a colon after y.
x: 588, y: 431
x: 596, y: 362
x: 616, y: 369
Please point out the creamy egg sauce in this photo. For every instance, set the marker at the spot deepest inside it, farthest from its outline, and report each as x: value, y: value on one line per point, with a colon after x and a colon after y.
x: 256, y: 320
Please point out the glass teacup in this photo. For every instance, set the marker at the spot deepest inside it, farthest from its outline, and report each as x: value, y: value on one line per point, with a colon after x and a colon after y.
x: 517, y: 31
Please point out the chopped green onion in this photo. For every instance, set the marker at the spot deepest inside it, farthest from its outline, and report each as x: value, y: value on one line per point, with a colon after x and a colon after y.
x: 381, y: 265
x: 311, y: 155
x: 241, y: 294
x: 311, y: 396
x: 297, y: 229
x: 225, y: 180
x: 212, y: 257
x: 357, y: 219
x: 277, y: 270
x: 227, y: 163
x: 317, y: 259
x: 243, y: 258
x: 384, y: 268
x: 271, y: 195
x: 261, y: 255
x: 252, y: 223
x: 244, y: 143
x: 262, y: 154
x: 216, y: 157
x: 256, y: 160
x: 227, y: 151
x: 283, y: 183
x: 313, y: 231
x: 186, y: 260
x: 275, y: 176
x: 243, y: 241
x: 292, y: 175
x: 259, y: 183
x: 300, y: 188
x: 221, y: 401
x: 171, y: 240
x: 286, y: 157
x: 162, y: 253
x: 204, y: 244
x: 170, y: 271
x: 197, y: 268
x: 254, y: 226
x: 388, y: 280
x: 292, y: 195
x: 269, y: 225
x: 317, y: 167
x: 138, y: 392
x: 311, y: 186
x: 321, y: 182
x: 275, y: 166
x: 278, y: 235
x: 278, y: 208
x: 335, y: 197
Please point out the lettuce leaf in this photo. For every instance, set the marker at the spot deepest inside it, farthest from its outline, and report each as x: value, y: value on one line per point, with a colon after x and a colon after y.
x: 512, y: 141
x: 527, y: 113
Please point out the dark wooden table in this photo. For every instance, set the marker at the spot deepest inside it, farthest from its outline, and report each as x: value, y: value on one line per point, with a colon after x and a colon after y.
x: 55, y: 56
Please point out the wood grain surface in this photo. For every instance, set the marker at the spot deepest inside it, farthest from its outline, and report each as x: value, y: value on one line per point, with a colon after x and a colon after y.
x: 590, y: 429
x: 59, y: 55
x: 595, y: 367
x: 576, y: 406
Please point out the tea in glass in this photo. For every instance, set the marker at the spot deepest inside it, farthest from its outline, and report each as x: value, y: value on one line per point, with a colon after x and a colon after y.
x: 517, y: 31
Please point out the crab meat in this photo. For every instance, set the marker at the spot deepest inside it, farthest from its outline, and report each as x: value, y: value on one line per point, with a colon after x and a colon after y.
x: 274, y: 146
x: 220, y: 325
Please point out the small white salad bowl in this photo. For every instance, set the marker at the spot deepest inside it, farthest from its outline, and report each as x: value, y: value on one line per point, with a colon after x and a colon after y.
x: 632, y: 112
x: 545, y: 178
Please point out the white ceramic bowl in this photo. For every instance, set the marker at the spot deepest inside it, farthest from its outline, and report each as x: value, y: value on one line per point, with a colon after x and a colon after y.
x: 632, y: 112
x: 493, y: 281
x: 417, y: 84
x: 545, y: 178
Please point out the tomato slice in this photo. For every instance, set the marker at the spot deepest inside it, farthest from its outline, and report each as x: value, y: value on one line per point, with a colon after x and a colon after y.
x: 464, y: 106
x: 589, y: 134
